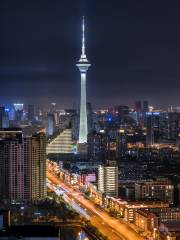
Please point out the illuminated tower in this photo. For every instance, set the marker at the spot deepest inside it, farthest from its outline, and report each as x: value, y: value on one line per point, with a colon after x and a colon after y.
x: 83, y: 66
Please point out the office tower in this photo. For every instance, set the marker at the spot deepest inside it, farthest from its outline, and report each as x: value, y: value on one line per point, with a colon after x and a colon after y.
x: 19, y: 106
x: 98, y: 146
x: 38, y: 166
x: 152, y: 123
x: 11, y: 165
x: 31, y: 112
x: 53, y: 107
x: 160, y: 188
x: 18, y: 115
x: 173, y: 129
x: 138, y: 107
x: 145, y: 106
x: 75, y: 126
x: 12, y: 113
x: 4, y: 118
x: 122, y: 111
x: 50, y: 124
x: 121, y: 140
x: 22, y: 166
x: 83, y: 66
x: 108, y: 179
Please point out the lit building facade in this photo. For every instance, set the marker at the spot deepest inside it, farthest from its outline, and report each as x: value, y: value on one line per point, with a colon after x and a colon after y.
x: 50, y: 124
x: 146, y: 220
x: 161, y: 189
x: 62, y: 143
x: 108, y: 179
x: 22, y: 166
x: 152, y: 123
x: 4, y: 118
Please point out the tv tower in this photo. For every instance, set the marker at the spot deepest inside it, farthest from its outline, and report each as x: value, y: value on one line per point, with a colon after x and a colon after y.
x: 83, y: 66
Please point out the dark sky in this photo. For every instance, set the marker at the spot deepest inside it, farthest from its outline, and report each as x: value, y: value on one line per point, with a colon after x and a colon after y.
x: 134, y: 48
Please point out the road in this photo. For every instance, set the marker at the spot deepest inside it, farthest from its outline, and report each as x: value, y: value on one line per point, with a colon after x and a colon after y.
x: 111, y: 227
x: 69, y: 200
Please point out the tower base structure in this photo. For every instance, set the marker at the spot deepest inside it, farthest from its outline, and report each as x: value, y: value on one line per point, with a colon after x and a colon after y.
x: 82, y: 149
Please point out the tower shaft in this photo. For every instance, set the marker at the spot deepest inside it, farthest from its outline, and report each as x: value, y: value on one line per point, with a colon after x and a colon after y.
x: 83, y: 113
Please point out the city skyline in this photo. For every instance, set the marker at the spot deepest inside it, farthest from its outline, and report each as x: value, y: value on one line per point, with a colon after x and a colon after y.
x: 134, y: 56
x: 89, y: 151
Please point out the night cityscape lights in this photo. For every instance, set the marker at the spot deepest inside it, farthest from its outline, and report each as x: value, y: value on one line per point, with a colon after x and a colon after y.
x: 104, y: 169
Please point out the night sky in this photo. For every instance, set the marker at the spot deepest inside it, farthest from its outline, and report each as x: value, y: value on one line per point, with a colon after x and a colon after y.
x: 133, y: 46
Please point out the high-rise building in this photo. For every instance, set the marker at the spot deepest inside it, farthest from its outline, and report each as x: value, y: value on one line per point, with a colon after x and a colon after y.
x: 50, y: 124
x: 122, y: 111
x: 4, y: 118
x: 22, y: 166
x: 19, y: 115
x: 145, y: 106
x: 38, y: 166
x: 53, y: 107
x: 12, y: 113
x: 152, y: 123
x: 75, y: 126
x: 173, y: 128
x: 19, y: 106
x: 83, y: 66
x: 108, y: 178
x: 31, y: 112
x: 121, y: 140
x: 98, y: 146
x: 138, y: 107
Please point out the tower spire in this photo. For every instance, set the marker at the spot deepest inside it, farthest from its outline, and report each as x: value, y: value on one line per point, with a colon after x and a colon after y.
x: 83, y: 37
x: 83, y: 53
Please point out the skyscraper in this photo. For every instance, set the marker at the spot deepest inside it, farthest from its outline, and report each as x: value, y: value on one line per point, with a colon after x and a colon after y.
x: 138, y: 107
x: 22, y: 165
x: 4, y: 118
x: 31, y: 112
x: 83, y: 66
x: 50, y: 124
x: 152, y: 122
x: 145, y: 106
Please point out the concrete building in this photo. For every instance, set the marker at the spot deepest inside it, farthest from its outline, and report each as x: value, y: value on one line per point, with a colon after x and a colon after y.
x: 4, y: 118
x: 149, y: 220
x: 38, y: 166
x: 161, y: 189
x: 131, y: 208
x: 152, y: 123
x: 167, y: 214
x: 50, y: 124
x: 31, y: 112
x: 146, y: 220
x: 22, y: 166
x: 108, y: 179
